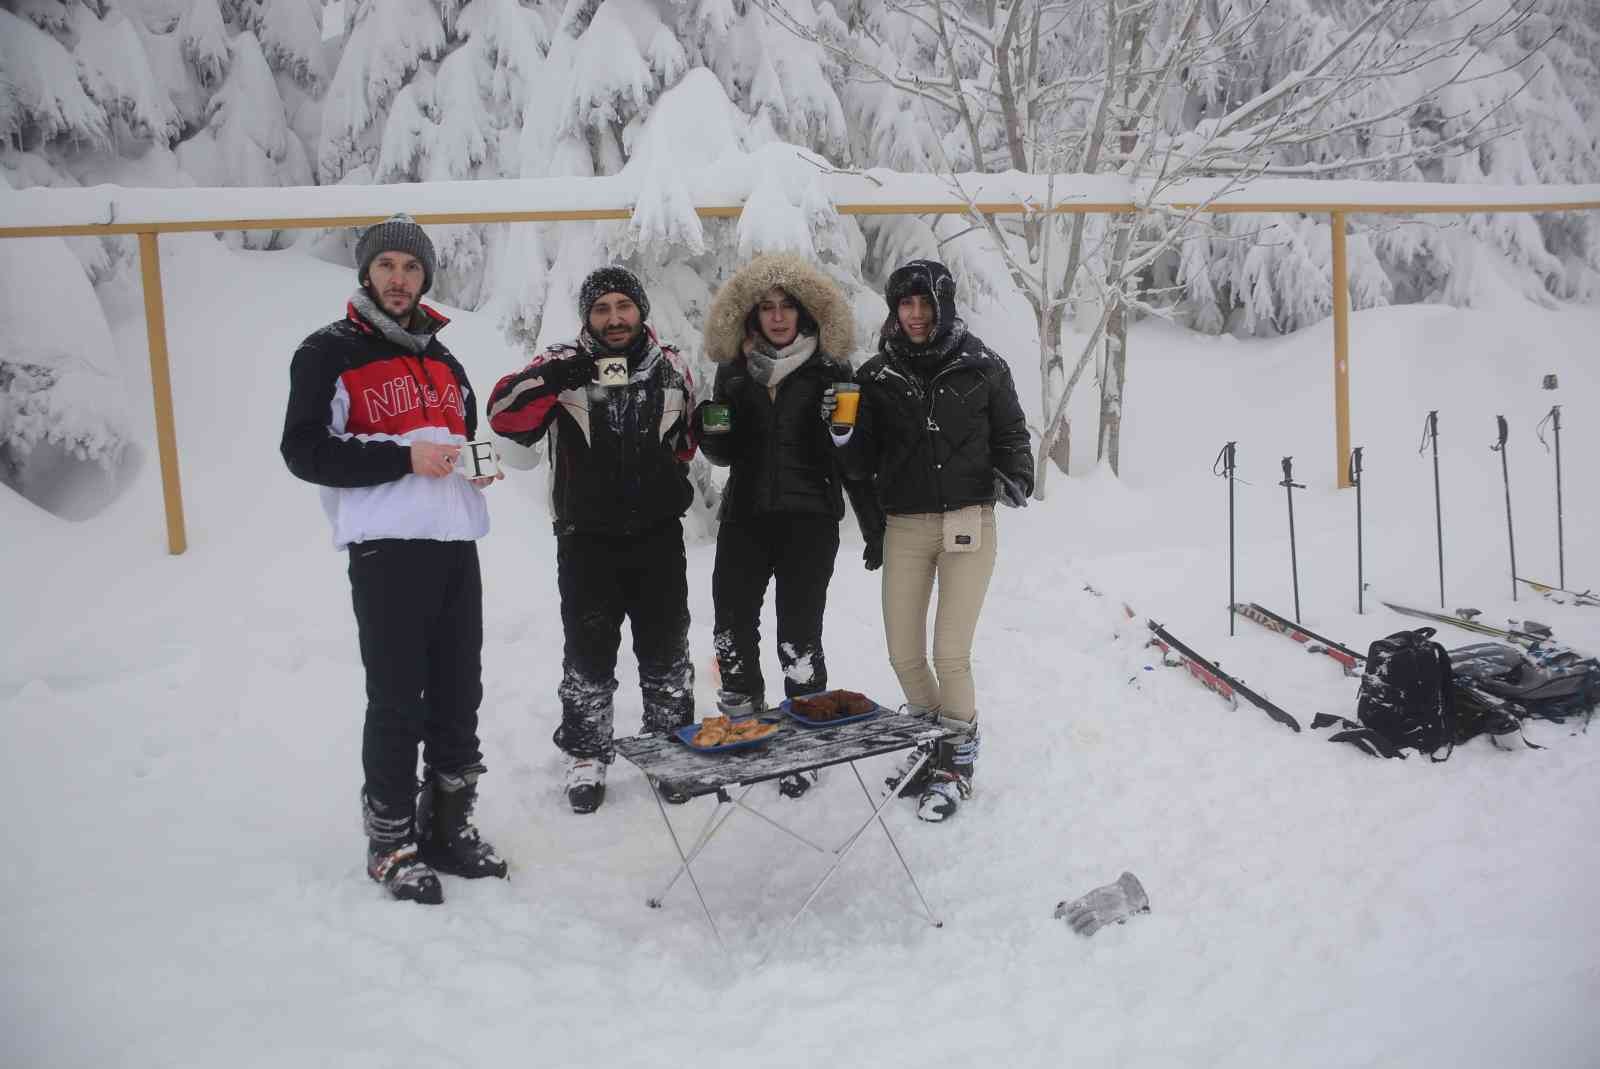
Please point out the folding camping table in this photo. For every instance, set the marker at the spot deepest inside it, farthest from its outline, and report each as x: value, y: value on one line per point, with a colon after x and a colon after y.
x: 731, y: 775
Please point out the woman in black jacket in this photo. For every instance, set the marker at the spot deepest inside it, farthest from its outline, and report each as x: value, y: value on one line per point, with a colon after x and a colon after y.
x: 942, y: 434
x: 780, y: 332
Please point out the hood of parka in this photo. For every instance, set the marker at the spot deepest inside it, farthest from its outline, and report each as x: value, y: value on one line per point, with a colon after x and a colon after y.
x: 800, y: 279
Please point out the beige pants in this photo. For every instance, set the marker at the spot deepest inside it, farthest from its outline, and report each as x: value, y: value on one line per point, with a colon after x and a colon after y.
x: 913, y: 558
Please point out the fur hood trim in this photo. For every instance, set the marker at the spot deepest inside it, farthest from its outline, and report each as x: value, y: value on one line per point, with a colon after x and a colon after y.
x: 801, y: 279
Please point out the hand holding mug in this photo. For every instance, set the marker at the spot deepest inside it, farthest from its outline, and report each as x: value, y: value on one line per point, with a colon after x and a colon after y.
x: 716, y: 418
x: 433, y: 459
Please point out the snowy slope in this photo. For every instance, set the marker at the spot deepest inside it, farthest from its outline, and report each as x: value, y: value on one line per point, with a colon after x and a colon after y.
x: 184, y: 884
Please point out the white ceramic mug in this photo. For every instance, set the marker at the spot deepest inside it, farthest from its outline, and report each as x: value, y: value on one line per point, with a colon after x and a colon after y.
x: 612, y: 370
x: 478, y: 460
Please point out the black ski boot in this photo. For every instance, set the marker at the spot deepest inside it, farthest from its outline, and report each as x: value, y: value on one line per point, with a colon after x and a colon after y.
x: 449, y: 841
x: 951, y: 781
x: 408, y: 877
x: 911, y: 788
x: 796, y: 784
x: 392, y: 855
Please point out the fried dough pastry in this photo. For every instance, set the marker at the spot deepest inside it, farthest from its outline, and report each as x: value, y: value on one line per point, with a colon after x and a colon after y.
x: 720, y: 731
x: 833, y: 705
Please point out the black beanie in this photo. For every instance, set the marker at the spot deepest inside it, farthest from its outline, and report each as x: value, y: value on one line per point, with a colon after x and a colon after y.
x: 611, y: 279
x: 933, y: 280
x: 398, y: 233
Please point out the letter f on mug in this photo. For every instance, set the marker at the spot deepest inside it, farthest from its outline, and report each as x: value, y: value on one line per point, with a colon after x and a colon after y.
x: 478, y: 460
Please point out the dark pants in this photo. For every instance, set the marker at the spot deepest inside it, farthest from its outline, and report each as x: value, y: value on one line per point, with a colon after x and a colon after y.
x: 604, y: 578
x: 419, y: 614
x: 798, y: 549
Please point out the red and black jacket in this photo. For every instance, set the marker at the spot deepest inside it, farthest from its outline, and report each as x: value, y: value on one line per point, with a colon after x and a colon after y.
x: 391, y: 394
x: 619, y: 456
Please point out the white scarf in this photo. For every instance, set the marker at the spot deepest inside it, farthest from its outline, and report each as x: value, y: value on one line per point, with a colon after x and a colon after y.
x: 770, y: 366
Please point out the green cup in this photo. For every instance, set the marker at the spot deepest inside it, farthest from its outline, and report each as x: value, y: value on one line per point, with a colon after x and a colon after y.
x: 716, y: 418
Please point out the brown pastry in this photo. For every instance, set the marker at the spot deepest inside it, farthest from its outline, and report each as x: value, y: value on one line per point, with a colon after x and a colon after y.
x: 854, y: 704
x: 713, y: 731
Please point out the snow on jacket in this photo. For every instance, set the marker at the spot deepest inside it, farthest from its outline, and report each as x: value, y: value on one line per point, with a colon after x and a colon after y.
x: 356, y: 403
x: 781, y: 457
x: 619, y: 456
x: 931, y: 430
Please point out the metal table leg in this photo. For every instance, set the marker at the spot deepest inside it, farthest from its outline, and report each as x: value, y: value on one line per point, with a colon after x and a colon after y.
x: 848, y: 845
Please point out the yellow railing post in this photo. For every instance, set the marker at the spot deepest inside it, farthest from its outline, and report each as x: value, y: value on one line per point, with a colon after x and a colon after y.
x: 155, y: 325
x: 1341, y: 353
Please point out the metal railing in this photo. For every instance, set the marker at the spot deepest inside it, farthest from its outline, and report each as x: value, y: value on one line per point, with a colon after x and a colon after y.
x: 1407, y: 199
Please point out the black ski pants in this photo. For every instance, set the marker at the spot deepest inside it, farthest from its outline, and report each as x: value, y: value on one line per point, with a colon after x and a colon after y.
x: 798, y: 549
x: 605, y: 578
x: 419, y: 615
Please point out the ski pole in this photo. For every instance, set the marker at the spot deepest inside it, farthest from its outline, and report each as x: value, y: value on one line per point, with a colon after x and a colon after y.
x: 1289, y: 487
x: 1430, y: 430
x: 1224, y: 467
x: 1505, y: 471
x: 1355, y: 480
x: 1554, y: 419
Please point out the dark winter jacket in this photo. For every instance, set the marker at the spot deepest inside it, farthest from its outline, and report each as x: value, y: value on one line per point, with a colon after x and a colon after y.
x: 357, y: 401
x: 780, y: 453
x: 619, y: 456
x: 778, y: 448
x: 933, y: 428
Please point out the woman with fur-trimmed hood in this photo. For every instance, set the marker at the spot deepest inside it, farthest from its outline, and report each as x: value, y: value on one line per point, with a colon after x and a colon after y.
x: 780, y: 333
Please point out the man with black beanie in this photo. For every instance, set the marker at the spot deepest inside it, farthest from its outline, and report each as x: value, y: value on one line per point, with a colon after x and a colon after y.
x: 378, y: 409
x: 614, y: 407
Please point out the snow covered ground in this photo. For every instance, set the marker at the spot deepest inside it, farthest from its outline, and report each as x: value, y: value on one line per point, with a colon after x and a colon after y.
x: 183, y: 884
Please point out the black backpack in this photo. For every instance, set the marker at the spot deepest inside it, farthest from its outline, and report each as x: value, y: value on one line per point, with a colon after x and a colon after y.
x: 1550, y: 682
x: 1406, y: 699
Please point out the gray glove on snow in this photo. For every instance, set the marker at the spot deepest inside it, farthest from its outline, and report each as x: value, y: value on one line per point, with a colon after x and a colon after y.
x: 1115, y: 902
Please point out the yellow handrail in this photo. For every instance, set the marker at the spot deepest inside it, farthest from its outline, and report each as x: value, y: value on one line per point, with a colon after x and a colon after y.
x: 149, y: 232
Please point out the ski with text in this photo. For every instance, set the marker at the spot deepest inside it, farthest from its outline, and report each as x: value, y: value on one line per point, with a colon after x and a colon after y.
x: 1348, y: 658
x: 1209, y: 675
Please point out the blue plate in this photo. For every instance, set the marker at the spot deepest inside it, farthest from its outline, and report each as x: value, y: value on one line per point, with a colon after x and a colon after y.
x: 806, y: 721
x: 687, y: 733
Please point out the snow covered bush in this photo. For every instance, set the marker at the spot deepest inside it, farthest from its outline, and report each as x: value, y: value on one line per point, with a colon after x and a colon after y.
x: 62, y: 402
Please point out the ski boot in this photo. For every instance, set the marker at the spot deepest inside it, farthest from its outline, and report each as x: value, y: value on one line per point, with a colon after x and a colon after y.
x: 910, y: 788
x: 950, y: 783
x: 737, y: 706
x: 796, y: 784
x: 586, y: 783
x: 669, y: 795
x: 406, y: 876
x: 392, y: 855
x: 448, y: 840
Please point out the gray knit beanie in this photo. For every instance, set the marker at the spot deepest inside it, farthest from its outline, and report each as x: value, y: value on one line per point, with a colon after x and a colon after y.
x: 612, y: 279
x: 398, y: 233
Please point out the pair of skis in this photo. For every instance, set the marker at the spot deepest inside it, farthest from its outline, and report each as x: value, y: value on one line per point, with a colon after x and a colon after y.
x: 1209, y: 674
x: 1561, y: 595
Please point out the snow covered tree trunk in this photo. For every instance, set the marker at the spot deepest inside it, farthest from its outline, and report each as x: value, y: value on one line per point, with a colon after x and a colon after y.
x: 1052, y: 375
x: 1111, y: 380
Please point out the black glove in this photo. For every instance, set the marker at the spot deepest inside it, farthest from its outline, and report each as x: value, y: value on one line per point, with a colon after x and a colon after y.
x: 872, y: 556
x: 1008, y: 492
x: 568, y: 372
x: 830, y: 401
